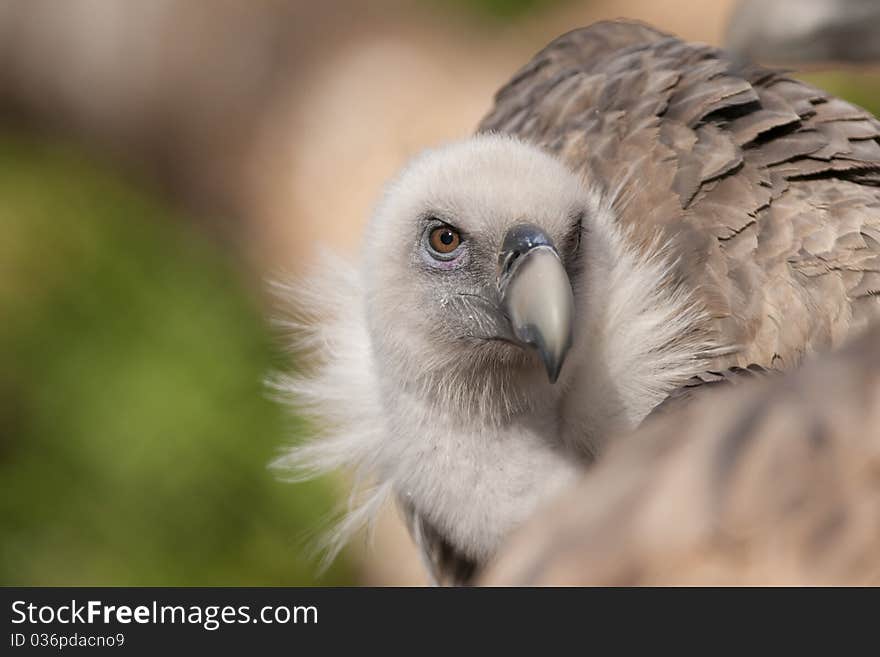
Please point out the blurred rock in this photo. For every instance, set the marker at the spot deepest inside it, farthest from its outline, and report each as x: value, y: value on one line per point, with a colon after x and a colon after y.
x: 805, y: 31
x: 175, y: 89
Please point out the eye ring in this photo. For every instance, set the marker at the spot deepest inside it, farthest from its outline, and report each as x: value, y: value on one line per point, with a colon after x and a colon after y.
x: 444, y: 240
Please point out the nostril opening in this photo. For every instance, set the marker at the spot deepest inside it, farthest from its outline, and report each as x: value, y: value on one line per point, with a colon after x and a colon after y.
x: 508, y: 259
x: 512, y: 258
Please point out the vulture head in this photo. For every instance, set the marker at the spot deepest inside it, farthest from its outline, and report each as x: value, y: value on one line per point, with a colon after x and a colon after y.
x: 446, y: 361
x: 471, y: 259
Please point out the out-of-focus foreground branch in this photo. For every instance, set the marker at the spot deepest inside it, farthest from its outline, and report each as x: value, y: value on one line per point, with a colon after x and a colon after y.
x: 776, y: 483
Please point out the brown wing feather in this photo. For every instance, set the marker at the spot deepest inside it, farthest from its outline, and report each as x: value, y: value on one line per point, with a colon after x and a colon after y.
x: 767, y: 189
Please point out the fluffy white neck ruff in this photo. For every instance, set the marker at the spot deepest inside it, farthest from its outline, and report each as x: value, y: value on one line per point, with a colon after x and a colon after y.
x: 644, y: 332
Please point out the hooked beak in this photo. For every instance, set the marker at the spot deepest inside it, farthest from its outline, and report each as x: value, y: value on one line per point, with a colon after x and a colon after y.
x: 536, y: 295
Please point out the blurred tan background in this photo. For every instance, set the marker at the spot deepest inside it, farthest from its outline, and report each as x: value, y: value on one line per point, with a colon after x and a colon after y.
x: 264, y: 128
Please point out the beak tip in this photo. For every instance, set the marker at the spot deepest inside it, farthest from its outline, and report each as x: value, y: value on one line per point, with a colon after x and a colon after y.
x: 553, y: 364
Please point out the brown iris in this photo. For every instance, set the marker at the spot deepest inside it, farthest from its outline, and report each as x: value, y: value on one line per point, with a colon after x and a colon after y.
x: 444, y: 239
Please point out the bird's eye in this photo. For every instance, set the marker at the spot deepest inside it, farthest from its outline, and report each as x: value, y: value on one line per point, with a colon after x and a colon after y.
x: 444, y: 240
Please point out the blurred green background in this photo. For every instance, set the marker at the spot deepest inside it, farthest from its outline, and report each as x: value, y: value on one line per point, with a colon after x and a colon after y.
x: 859, y: 87
x: 135, y: 429
x: 157, y: 164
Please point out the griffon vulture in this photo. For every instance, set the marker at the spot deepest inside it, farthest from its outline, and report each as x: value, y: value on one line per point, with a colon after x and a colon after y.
x: 633, y: 212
